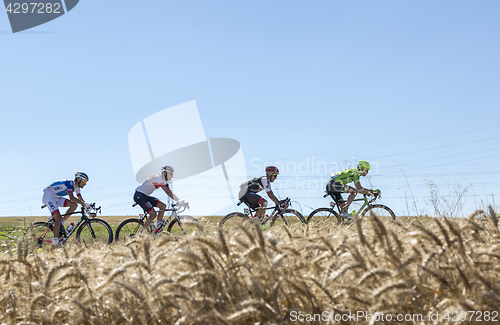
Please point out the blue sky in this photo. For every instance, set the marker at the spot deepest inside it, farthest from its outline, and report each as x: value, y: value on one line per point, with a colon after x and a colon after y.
x: 410, y: 86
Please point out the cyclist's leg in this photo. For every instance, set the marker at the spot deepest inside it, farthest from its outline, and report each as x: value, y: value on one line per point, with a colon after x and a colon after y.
x: 257, y: 202
x: 352, y: 194
x: 72, y: 208
x: 160, y: 205
x: 152, y: 215
x: 147, y: 203
x: 52, y: 204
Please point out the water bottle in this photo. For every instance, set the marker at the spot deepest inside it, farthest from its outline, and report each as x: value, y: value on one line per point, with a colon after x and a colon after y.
x: 353, y: 213
x: 245, y: 210
x: 266, y: 218
x: 70, y: 227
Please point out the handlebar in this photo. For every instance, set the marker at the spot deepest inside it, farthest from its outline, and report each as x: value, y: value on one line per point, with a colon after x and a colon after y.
x: 283, y: 204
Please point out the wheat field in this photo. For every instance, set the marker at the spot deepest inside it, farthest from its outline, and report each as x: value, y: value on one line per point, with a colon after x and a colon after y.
x: 414, y: 270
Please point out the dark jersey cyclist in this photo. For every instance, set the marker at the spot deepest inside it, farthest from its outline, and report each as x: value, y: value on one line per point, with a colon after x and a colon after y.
x: 338, y: 184
x: 249, y: 190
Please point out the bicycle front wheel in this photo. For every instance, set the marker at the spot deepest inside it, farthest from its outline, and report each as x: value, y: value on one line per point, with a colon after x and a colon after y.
x: 380, y: 211
x: 189, y: 224
x: 235, y: 220
x: 289, y: 218
x: 128, y: 229
x: 95, y: 230
x: 323, y: 216
x: 42, y: 234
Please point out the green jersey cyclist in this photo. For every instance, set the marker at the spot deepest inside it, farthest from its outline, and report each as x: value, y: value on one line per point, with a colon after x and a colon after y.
x: 338, y: 184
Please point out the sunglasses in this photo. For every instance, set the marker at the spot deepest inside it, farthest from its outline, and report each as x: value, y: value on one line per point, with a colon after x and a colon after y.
x: 84, y: 181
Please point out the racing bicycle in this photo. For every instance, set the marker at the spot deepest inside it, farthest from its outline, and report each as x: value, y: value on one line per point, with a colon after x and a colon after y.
x: 175, y: 224
x: 281, y: 215
x: 88, y: 229
x: 325, y: 215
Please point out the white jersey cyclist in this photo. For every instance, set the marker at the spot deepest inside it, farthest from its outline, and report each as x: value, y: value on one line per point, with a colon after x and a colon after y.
x: 143, y: 198
x: 152, y: 184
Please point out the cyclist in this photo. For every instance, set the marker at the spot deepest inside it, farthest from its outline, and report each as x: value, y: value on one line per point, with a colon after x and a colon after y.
x: 53, y: 197
x: 148, y: 203
x: 338, y: 184
x: 249, y: 190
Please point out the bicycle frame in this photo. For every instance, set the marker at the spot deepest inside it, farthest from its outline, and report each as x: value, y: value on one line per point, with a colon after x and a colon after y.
x: 83, y: 219
x: 174, y: 214
x: 277, y: 210
x: 361, y: 209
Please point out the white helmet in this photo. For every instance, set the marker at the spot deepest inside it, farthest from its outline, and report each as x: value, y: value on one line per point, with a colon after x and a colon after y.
x: 167, y: 169
x: 82, y: 175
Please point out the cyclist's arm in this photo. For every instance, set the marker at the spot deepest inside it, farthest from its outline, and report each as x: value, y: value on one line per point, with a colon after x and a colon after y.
x: 167, y: 191
x: 360, y: 189
x: 273, y: 197
x: 78, y: 195
x: 75, y: 199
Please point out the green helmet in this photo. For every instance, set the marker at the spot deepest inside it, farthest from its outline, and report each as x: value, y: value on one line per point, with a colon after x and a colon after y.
x: 362, y: 165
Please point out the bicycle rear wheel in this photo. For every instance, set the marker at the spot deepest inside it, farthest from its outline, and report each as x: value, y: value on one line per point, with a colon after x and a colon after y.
x: 128, y: 229
x: 289, y: 218
x: 323, y: 216
x: 235, y: 220
x: 95, y: 230
x: 189, y: 224
x: 380, y: 211
x: 42, y: 234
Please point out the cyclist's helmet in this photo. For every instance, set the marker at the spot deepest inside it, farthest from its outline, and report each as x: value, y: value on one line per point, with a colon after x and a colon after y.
x: 272, y: 170
x: 363, y: 165
x: 166, y: 169
x: 81, y: 175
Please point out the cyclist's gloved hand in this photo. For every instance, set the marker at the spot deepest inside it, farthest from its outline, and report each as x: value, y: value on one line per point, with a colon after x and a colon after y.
x: 180, y: 203
x: 87, y: 205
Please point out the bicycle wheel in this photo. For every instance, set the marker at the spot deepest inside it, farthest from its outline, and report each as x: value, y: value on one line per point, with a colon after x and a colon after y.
x: 289, y: 218
x: 235, y: 220
x: 128, y: 229
x: 380, y: 211
x: 42, y: 234
x: 189, y: 224
x: 95, y: 230
x: 323, y: 216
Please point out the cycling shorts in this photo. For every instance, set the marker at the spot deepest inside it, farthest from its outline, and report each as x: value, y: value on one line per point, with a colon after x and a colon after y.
x: 335, y: 189
x: 146, y: 202
x: 253, y: 199
x: 53, y: 202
